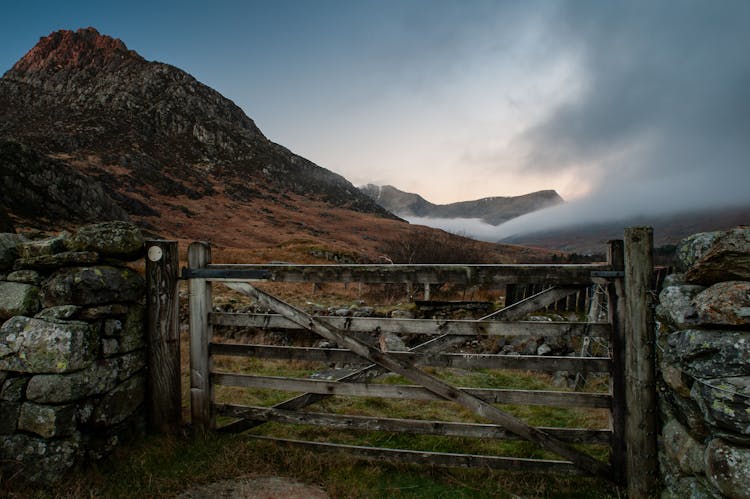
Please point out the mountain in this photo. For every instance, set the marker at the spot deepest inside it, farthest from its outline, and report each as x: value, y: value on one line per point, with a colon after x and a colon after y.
x: 492, y: 210
x: 90, y: 130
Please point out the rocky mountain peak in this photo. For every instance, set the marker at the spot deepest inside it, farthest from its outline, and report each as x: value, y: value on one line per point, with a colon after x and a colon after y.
x: 67, y: 49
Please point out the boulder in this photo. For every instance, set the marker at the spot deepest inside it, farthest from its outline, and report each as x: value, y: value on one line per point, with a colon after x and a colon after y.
x: 43, y: 247
x: 725, y: 403
x: 25, y: 276
x: 692, y: 248
x: 64, y: 259
x: 47, y: 420
x: 725, y: 303
x: 128, y: 333
x: 93, y: 286
x: 38, y: 460
x: 121, y: 402
x: 103, y: 311
x: 689, y: 487
x: 8, y: 249
x: 112, y: 239
x: 129, y: 364
x: 390, y: 342
x: 676, y: 305
x: 13, y: 389
x: 728, y: 468
x: 18, y: 299
x: 38, y: 346
x: 681, y: 448
x: 60, y: 312
x: 98, y: 378
x: 710, y: 354
x: 728, y: 259
x: 673, y: 280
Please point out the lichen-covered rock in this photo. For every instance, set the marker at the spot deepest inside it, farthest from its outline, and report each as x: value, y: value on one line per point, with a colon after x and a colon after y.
x: 93, y: 286
x: 115, y: 239
x: 692, y: 248
x: 103, y: 311
x: 710, y: 354
x: 37, y: 460
x: 684, y: 410
x: 98, y: 378
x: 8, y: 249
x: 676, y: 306
x: 129, y: 332
x: 724, y: 303
x: 728, y: 259
x: 689, y: 487
x: 725, y: 403
x: 682, y: 448
x: 60, y: 312
x: 674, y: 280
x: 38, y: 346
x: 47, y: 420
x: 121, y: 402
x: 64, y: 259
x: 129, y: 364
x: 18, y: 299
x: 43, y: 247
x: 677, y: 380
x: 390, y: 342
x: 728, y: 468
x: 25, y: 276
x: 13, y: 388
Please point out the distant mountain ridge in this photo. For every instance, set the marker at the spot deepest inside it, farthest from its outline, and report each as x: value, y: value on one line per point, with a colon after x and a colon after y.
x: 491, y: 210
x: 91, y: 131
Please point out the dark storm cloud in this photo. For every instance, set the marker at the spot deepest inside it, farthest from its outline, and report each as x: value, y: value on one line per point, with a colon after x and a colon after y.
x: 662, y: 121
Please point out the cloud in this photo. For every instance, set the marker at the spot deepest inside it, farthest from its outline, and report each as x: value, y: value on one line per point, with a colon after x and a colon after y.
x: 662, y: 122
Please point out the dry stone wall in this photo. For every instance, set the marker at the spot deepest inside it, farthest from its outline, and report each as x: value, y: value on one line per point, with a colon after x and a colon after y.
x: 72, y: 348
x: 704, y: 360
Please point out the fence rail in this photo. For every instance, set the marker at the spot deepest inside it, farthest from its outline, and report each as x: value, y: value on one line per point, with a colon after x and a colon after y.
x: 550, y: 283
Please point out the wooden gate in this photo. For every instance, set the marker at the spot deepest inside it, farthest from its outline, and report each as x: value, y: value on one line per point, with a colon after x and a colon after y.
x: 626, y: 279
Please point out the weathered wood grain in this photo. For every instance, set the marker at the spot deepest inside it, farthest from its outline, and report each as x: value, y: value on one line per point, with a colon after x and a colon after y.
x: 421, y: 274
x: 201, y: 396
x: 414, y: 426
x: 420, y: 326
x: 453, y: 360
x: 162, y: 302
x: 640, y: 366
x: 533, y: 303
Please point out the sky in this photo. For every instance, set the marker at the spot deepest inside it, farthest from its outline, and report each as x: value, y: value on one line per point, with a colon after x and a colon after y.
x: 623, y: 107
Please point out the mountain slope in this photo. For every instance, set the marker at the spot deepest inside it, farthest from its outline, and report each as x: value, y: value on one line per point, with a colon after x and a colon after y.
x: 90, y: 130
x: 492, y: 210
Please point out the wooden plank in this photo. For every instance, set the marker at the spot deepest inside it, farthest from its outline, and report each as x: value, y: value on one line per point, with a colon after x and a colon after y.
x: 201, y: 395
x: 616, y: 312
x: 413, y: 392
x: 452, y: 360
x: 370, y: 372
x: 420, y: 326
x: 640, y: 368
x: 413, y: 426
x: 533, y: 303
x: 426, y: 458
x: 422, y: 274
x: 162, y: 303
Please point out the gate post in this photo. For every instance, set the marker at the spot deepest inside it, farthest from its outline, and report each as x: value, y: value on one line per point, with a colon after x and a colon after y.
x: 616, y: 317
x: 201, y: 393
x: 641, y: 412
x: 162, y: 304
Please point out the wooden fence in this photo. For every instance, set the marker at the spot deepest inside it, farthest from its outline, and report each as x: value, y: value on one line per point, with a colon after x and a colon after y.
x: 626, y: 279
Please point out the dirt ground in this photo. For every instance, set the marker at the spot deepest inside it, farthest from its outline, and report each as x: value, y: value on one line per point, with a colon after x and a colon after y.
x: 256, y: 488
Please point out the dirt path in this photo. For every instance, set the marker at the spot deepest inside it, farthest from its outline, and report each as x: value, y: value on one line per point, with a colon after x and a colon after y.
x: 256, y: 488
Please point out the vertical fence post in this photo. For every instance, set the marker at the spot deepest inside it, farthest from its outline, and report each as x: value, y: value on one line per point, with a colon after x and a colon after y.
x: 641, y: 414
x: 199, y: 255
x: 162, y: 304
x: 616, y: 317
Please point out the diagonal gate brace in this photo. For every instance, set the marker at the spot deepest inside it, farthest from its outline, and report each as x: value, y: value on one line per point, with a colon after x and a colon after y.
x: 435, y: 385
